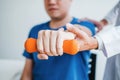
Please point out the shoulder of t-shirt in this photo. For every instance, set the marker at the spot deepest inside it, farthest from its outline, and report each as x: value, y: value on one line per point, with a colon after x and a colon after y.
x: 39, y: 26
x: 35, y: 29
x: 89, y: 25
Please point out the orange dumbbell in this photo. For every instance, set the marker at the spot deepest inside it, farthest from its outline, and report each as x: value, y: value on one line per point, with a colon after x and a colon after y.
x: 69, y: 46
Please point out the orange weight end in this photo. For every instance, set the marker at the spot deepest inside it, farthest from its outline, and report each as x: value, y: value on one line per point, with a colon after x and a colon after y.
x: 30, y: 45
x: 70, y: 47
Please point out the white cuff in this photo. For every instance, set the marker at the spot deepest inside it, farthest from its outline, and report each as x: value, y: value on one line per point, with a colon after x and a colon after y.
x: 111, y: 41
x: 101, y: 46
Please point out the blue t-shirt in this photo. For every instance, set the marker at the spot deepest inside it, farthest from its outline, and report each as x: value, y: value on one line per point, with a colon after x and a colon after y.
x: 65, y: 67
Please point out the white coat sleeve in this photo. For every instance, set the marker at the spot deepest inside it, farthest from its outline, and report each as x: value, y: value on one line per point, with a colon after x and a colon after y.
x: 112, y: 16
x: 110, y: 41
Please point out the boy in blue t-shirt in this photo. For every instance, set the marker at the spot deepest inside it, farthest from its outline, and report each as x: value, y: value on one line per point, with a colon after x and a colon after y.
x: 64, y: 67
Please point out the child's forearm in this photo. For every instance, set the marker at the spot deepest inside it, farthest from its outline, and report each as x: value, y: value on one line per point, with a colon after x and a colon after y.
x: 26, y: 78
x: 27, y: 72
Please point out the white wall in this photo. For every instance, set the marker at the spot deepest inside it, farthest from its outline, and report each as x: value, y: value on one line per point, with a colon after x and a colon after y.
x: 18, y: 16
x: 16, y: 19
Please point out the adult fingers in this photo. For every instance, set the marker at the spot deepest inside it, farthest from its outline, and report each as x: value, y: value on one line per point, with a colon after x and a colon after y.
x: 42, y: 56
x: 46, y: 42
x: 59, y: 43
x: 77, y: 31
x: 40, y: 42
x: 53, y: 43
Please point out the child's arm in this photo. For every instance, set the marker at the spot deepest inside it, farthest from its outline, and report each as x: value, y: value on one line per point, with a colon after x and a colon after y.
x: 27, y: 72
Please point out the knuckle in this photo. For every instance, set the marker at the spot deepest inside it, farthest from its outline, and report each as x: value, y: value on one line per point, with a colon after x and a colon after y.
x: 59, y: 48
x: 46, y: 33
x: 39, y: 50
x: 47, y: 51
x: 59, y: 32
x: 53, y: 50
x: 49, y: 54
x: 52, y: 33
x: 40, y: 33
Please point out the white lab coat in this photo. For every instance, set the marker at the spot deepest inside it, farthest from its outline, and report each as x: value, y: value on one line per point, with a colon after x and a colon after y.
x: 111, y: 49
x: 111, y: 41
x: 113, y: 17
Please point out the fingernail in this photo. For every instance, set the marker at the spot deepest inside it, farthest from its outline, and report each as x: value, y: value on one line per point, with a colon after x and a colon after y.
x: 50, y: 54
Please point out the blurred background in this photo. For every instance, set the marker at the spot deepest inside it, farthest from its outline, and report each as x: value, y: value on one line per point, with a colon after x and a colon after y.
x: 18, y: 16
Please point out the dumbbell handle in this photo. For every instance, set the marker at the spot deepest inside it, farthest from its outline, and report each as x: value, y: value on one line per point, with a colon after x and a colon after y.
x: 69, y: 46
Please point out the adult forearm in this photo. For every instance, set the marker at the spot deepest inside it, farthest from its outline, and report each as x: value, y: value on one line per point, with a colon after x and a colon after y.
x: 88, y: 45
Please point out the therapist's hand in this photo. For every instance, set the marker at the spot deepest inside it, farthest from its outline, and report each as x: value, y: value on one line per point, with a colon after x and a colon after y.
x: 99, y: 24
x: 86, y: 42
x: 50, y: 43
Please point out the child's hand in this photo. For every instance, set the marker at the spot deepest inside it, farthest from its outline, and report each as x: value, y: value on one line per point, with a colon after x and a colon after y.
x: 50, y: 43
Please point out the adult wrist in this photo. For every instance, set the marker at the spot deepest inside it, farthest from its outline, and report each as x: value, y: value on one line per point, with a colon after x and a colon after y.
x: 93, y: 43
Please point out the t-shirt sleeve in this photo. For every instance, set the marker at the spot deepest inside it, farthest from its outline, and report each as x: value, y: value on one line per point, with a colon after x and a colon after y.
x: 32, y: 34
x: 89, y: 25
x: 27, y: 55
